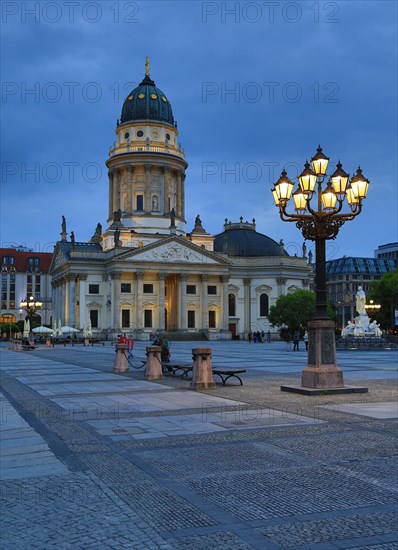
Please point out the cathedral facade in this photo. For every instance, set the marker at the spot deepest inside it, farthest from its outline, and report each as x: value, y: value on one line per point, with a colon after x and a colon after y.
x: 145, y: 273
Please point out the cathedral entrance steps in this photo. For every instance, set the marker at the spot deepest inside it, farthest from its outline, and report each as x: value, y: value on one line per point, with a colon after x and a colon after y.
x: 182, y: 336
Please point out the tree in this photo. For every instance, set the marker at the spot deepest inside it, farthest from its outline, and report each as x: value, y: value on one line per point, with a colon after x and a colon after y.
x: 293, y: 311
x: 385, y: 293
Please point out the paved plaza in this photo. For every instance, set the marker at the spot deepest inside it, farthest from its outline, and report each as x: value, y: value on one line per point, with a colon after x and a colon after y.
x: 96, y: 460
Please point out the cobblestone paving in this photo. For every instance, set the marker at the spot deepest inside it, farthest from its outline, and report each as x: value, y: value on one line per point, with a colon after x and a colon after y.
x: 317, y: 486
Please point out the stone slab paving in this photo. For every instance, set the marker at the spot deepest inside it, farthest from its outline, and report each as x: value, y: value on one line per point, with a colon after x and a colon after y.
x: 23, y: 452
x: 155, y: 465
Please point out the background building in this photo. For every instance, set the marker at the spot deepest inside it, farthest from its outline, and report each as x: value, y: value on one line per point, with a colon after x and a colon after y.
x: 346, y: 274
x: 388, y: 251
x: 145, y: 273
x: 25, y: 273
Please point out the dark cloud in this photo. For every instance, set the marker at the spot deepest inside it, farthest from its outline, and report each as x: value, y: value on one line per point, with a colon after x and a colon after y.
x: 249, y: 92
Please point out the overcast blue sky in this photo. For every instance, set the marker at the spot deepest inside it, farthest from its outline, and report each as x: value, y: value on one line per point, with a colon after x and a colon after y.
x: 254, y: 86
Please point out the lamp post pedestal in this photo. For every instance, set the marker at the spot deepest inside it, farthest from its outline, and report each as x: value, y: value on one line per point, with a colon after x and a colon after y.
x: 321, y: 370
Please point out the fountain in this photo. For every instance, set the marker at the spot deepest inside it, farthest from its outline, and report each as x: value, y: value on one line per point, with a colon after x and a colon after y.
x: 362, y: 333
x: 362, y: 325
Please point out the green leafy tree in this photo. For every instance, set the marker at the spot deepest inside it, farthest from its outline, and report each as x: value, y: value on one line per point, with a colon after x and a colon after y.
x: 293, y: 311
x: 385, y: 293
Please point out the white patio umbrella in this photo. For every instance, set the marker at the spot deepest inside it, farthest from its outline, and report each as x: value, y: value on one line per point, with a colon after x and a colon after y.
x: 42, y: 330
x: 26, y: 328
x: 89, y: 329
x: 67, y: 329
x: 84, y: 330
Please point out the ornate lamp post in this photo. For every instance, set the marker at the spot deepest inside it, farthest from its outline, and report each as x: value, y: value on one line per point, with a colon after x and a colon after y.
x: 30, y: 305
x: 371, y: 307
x: 319, y: 222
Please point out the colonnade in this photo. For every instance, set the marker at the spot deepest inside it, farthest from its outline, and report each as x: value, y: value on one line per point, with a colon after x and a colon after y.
x: 72, y: 301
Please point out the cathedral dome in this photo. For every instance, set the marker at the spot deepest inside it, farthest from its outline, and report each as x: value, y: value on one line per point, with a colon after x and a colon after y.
x: 241, y: 239
x: 147, y: 102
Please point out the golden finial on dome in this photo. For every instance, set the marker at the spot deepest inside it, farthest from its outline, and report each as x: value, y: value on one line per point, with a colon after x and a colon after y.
x: 147, y: 66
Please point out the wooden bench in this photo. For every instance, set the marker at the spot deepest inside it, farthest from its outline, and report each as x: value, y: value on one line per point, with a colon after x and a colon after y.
x: 229, y: 373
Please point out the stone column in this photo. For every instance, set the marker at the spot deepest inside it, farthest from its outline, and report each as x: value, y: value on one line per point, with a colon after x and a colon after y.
x: 115, y: 188
x: 139, y: 289
x: 66, y: 301
x: 147, y: 196
x: 129, y: 185
x: 72, y: 298
x: 54, y: 297
x: 224, y: 279
x: 202, y: 374
x: 82, y: 299
x: 205, y: 307
x: 110, y: 208
x: 183, y: 196
x: 281, y: 281
x: 182, y: 314
x: 247, y: 304
x: 162, y: 299
x: 115, y: 277
x: 178, y: 194
x: 166, y: 176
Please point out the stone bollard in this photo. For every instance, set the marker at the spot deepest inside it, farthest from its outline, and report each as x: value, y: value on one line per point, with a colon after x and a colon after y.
x: 18, y: 346
x: 153, y: 367
x: 121, y: 363
x: 48, y: 343
x: 202, y: 375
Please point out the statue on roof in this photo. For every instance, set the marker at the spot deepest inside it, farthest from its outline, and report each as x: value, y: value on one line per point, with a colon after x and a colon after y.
x: 282, y: 246
x: 147, y: 66
x: 116, y: 239
x: 117, y: 215
x: 63, y: 229
x: 173, y: 217
x: 72, y: 238
x: 97, y: 234
x: 304, y: 250
x: 310, y: 257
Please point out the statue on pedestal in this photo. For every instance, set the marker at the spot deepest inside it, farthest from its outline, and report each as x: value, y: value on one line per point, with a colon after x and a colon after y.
x: 361, y: 301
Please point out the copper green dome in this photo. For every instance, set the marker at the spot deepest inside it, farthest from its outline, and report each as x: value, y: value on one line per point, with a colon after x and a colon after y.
x: 241, y: 239
x: 147, y: 102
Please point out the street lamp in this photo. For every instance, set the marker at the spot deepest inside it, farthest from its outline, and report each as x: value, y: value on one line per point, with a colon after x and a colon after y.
x: 372, y: 307
x: 8, y: 317
x: 319, y: 222
x: 30, y: 305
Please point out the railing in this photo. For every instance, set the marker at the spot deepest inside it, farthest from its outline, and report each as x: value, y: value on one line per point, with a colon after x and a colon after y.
x: 120, y: 149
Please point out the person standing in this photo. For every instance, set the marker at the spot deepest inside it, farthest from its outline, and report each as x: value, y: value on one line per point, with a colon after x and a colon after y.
x: 250, y: 336
x: 305, y: 338
x: 269, y: 336
x: 296, y: 340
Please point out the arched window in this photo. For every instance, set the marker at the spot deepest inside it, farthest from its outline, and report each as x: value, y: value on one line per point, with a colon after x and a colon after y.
x: 231, y: 305
x: 264, y: 305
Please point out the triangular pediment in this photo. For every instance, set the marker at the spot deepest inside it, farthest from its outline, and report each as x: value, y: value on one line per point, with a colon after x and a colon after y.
x: 175, y: 250
x: 58, y: 259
